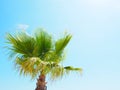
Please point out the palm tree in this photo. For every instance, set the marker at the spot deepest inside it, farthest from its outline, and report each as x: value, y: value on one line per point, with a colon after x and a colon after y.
x: 39, y: 55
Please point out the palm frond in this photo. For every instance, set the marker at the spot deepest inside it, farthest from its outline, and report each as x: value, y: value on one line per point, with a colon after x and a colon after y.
x: 62, y: 43
x: 21, y: 43
x: 56, y: 72
x: 43, y: 42
x: 30, y: 65
x: 70, y: 68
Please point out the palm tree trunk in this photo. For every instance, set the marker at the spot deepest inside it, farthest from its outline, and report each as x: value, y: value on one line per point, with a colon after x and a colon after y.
x: 41, y: 84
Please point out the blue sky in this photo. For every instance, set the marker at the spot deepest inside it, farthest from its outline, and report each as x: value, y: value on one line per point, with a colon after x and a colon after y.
x: 95, y: 45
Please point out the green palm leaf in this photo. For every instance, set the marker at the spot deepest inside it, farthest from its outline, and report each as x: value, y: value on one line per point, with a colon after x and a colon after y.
x: 43, y: 43
x: 21, y: 43
x: 62, y: 43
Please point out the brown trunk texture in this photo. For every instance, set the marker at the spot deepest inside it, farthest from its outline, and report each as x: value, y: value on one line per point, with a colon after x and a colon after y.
x: 41, y: 84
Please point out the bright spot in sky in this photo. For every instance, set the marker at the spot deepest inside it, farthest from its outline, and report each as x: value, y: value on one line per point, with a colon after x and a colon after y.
x: 104, y: 3
x: 22, y: 26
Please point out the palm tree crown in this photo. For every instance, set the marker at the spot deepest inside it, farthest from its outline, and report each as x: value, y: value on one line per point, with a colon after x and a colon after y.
x: 39, y: 53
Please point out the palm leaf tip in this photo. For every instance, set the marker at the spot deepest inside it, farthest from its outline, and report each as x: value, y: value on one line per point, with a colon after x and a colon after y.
x: 72, y: 68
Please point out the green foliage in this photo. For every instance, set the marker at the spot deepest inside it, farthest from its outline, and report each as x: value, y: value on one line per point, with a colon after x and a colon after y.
x: 62, y: 42
x: 39, y: 54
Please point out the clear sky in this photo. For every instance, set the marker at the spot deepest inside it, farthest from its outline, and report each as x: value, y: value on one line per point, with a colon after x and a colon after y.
x: 95, y: 46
